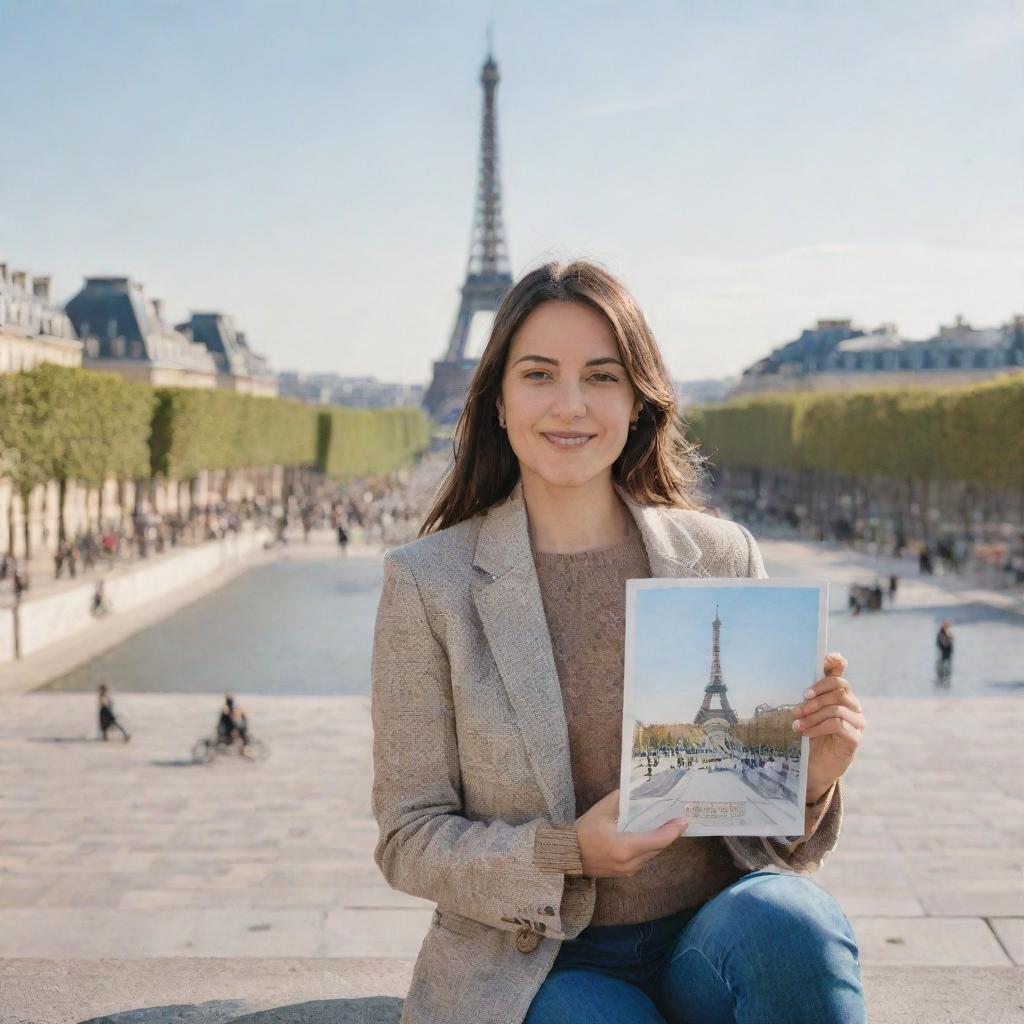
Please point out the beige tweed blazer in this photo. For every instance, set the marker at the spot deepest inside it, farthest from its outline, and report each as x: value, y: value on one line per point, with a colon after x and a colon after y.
x: 471, y: 752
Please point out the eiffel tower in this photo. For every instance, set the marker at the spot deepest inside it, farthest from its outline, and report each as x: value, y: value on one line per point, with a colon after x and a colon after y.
x: 715, y: 688
x: 488, y: 275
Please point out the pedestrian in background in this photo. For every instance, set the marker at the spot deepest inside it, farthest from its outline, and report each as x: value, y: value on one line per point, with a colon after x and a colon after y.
x: 944, y: 642
x: 108, y: 720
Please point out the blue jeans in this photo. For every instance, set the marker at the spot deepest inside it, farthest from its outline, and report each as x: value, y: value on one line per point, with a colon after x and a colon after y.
x: 769, y: 949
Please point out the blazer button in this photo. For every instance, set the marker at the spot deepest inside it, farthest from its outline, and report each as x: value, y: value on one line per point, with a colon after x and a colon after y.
x: 526, y: 940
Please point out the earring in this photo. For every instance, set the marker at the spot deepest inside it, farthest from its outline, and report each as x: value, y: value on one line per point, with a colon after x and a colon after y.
x: 632, y: 424
x: 501, y: 422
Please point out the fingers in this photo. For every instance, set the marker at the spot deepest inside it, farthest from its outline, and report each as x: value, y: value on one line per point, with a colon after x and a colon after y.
x: 645, y: 844
x: 830, y: 691
x: 835, y: 664
x: 827, y: 685
x: 838, y: 727
x: 806, y: 724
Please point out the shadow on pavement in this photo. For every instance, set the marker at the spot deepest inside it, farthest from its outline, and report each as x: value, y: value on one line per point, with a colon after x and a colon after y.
x: 1010, y: 684
x: 67, y: 739
x: 961, y: 614
x: 367, y: 1010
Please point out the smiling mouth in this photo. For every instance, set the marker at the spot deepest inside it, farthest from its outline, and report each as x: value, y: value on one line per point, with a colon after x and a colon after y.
x: 568, y: 442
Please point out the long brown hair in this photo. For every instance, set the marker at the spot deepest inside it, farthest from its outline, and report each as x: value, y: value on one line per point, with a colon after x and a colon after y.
x: 658, y: 466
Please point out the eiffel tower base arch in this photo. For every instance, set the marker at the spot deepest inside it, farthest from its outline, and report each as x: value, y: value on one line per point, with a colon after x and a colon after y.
x: 447, y: 392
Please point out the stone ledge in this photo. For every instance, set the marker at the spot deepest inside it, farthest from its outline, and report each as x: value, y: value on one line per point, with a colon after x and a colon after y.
x: 353, y: 991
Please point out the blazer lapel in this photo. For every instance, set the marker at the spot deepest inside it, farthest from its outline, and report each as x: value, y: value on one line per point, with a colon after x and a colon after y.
x: 508, y: 600
x: 671, y: 549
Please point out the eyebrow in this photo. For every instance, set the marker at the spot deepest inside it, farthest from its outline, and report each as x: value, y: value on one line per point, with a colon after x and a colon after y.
x: 554, y: 362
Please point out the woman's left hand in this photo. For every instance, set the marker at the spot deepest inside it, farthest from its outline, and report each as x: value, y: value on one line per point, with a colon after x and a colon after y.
x: 831, y: 718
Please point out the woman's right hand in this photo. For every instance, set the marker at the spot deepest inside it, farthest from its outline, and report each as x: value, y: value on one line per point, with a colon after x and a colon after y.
x: 608, y: 853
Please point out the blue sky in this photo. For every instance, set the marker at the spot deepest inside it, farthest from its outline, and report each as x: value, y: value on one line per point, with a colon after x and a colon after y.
x: 768, y: 645
x: 309, y: 167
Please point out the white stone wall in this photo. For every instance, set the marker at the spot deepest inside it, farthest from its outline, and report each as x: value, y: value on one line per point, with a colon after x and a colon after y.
x: 6, y: 635
x: 54, y: 617
x: 21, y: 352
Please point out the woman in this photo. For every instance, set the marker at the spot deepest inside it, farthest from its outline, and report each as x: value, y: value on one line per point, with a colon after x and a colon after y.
x: 497, y: 702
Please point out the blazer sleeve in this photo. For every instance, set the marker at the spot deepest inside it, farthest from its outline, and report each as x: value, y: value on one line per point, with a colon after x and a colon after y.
x: 822, y: 820
x: 426, y: 847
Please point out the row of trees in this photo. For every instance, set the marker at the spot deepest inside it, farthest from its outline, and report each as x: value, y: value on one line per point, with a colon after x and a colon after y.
x: 973, y: 434
x: 360, y: 442
x: 63, y: 424
x: 652, y: 737
x: 773, y: 729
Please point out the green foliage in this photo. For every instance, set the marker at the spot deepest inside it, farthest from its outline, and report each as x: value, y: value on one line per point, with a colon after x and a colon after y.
x: 973, y: 434
x: 197, y: 429
x: 58, y: 423
x: 362, y: 442
x: 749, y: 432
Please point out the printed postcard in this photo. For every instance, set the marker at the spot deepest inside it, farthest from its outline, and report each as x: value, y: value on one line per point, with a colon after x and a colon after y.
x: 713, y: 669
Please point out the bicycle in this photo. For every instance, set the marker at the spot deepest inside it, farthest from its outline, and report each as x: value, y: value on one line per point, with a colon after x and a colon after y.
x: 209, y: 747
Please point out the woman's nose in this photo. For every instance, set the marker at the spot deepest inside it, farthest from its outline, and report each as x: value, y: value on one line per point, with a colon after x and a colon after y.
x: 569, y: 401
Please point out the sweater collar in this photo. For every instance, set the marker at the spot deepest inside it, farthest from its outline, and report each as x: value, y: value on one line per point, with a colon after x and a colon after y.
x: 504, y: 538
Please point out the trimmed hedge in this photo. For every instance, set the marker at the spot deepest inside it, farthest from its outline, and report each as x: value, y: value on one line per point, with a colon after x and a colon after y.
x: 60, y: 423
x: 973, y: 434
x: 196, y: 429
x: 361, y: 442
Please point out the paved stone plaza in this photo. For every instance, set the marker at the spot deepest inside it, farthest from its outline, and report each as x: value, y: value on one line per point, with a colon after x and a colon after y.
x: 128, y: 851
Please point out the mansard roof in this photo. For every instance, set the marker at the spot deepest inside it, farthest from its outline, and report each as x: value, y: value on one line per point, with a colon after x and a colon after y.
x: 837, y: 345
x: 26, y: 308
x: 226, y: 344
x: 119, y: 322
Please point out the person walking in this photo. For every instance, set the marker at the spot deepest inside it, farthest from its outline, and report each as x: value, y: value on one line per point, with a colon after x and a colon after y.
x: 894, y: 583
x: 497, y: 709
x: 108, y: 720
x: 99, y: 604
x: 924, y: 560
x: 19, y: 581
x: 944, y: 642
x: 60, y: 556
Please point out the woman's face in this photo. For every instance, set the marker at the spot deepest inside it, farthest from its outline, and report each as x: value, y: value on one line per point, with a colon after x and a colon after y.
x: 565, y: 396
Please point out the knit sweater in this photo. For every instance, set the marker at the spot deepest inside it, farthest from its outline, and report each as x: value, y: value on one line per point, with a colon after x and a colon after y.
x: 584, y: 604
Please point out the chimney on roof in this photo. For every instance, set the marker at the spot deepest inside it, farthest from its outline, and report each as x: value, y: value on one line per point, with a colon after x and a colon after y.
x: 119, y: 283
x: 158, y: 310
x: 41, y: 288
